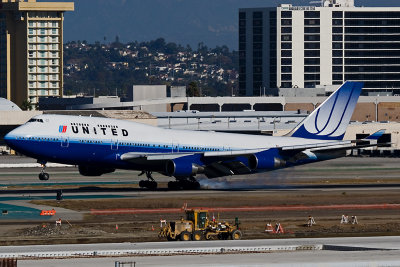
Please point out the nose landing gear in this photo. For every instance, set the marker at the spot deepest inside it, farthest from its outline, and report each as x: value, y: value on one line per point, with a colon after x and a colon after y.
x: 43, y: 176
x: 150, y: 183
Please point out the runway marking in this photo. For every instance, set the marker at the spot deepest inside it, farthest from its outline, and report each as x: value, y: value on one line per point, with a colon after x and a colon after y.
x: 244, y: 209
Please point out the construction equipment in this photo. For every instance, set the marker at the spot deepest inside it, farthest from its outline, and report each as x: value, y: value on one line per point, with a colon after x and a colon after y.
x: 198, y: 226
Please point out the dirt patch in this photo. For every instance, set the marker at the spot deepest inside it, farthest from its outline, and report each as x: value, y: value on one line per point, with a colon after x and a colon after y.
x: 47, y: 230
x: 145, y: 227
x: 232, y: 199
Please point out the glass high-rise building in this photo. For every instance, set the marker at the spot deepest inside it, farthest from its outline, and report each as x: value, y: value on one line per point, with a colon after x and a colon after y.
x: 31, y: 49
x: 306, y: 46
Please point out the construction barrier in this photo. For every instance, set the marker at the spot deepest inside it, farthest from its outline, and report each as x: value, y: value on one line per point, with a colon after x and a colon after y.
x: 278, y: 229
x: 345, y: 219
x: 48, y: 212
x: 310, y: 221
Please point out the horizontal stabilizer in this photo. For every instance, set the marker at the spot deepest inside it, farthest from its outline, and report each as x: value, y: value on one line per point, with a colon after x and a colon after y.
x: 375, y: 136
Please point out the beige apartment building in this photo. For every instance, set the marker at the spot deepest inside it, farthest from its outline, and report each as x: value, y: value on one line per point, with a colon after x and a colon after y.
x: 31, y: 49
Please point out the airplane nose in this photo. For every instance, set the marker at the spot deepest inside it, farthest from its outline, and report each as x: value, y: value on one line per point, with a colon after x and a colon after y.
x: 10, y: 138
x: 16, y: 140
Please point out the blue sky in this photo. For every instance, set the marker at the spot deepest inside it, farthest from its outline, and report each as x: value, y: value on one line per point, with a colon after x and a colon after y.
x: 213, y: 22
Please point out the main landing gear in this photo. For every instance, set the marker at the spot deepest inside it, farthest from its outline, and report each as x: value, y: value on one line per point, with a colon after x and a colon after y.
x: 43, y: 176
x: 189, y: 183
x: 150, y: 183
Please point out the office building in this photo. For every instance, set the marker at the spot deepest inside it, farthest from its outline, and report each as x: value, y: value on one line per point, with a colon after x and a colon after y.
x: 31, y: 49
x: 307, y: 46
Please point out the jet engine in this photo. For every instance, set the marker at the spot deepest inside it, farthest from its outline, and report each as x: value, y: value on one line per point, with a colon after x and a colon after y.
x: 93, y: 170
x: 265, y: 160
x: 182, y: 168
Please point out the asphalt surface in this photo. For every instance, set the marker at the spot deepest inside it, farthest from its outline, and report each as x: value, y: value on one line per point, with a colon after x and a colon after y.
x: 303, y: 258
x: 360, y: 251
x: 387, y: 169
x: 380, y: 243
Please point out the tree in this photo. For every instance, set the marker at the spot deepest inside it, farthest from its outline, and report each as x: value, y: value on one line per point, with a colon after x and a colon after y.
x: 202, y: 48
x: 171, y: 48
x: 192, y: 89
x: 157, y: 45
x: 26, y: 105
x: 89, y: 67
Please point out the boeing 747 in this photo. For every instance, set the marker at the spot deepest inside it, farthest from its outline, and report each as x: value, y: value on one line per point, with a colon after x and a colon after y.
x: 101, y: 145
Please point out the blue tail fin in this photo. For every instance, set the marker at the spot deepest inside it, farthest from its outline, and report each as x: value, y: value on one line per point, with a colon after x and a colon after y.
x: 329, y: 121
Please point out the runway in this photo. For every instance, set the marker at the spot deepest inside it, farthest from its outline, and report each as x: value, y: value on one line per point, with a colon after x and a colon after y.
x: 298, y: 259
x: 339, y: 173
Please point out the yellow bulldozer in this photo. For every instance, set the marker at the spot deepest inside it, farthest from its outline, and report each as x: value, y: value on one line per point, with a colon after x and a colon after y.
x: 198, y: 226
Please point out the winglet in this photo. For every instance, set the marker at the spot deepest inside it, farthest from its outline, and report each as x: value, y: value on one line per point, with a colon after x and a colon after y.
x: 329, y: 121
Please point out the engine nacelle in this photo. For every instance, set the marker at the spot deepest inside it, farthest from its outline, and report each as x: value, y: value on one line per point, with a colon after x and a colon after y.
x: 182, y: 168
x: 265, y: 161
x: 93, y: 170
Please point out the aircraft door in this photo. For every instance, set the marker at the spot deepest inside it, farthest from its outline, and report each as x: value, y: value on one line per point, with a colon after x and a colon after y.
x: 175, y: 146
x: 114, y: 144
x: 64, y: 141
x: 227, y: 147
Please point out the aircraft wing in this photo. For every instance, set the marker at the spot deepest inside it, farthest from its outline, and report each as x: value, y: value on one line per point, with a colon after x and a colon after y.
x: 224, y: 163
x: 132, y: 156
x: 235, y: 162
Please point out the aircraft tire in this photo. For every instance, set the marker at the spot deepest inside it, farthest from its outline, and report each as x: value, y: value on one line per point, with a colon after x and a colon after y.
x: 183, y: 185
x: 142, y: 183
x: 173, y: 185
x: 189, y: 185
x: 152, y: 185
x: 196, y: 185
x: 44, y: 176
x: 148, y: 184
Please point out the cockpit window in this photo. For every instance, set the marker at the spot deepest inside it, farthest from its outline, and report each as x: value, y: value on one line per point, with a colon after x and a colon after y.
x: 35, y: 120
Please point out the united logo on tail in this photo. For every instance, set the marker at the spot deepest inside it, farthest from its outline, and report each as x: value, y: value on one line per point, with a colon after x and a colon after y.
x: 329, y: 121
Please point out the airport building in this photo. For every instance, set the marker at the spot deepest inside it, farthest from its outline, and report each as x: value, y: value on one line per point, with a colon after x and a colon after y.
x: 306, y: 46
x: 31, y: 49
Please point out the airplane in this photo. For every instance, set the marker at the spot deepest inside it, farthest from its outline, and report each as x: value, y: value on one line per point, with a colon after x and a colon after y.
x: 102, y: 145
